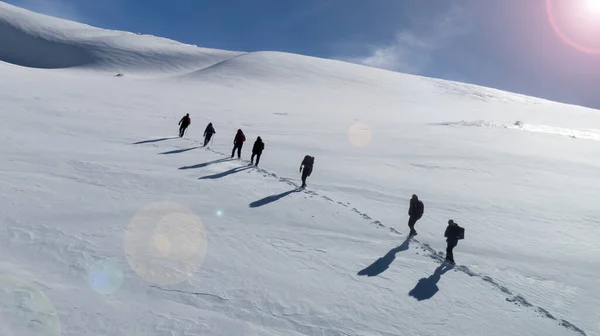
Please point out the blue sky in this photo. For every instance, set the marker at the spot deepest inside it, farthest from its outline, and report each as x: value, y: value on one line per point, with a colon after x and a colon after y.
x: 509, y: 44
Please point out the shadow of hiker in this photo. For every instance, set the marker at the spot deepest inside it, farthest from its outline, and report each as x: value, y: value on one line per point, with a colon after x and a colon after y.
x: 426, y: 288
x: 177, y: 151
x: 201, y: 165
x: 225, y: 173
x: 272, y: 198
x: 153, y: 140
x: 382, y: 264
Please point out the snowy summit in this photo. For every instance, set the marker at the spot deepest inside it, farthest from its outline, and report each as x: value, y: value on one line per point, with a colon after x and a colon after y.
x: 112, y: 224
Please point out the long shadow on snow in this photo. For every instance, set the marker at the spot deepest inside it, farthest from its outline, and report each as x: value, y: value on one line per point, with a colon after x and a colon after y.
x: 382, y: 264
x: 202, y: 165
x: 225, y: 173
x: 439, y: 257
x: 272, y: 198
x: 426, y: 288
x: 153, y: 140
x: 177, y: 151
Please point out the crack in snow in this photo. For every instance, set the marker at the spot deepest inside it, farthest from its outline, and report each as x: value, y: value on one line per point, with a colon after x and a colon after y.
x: 190, y: 293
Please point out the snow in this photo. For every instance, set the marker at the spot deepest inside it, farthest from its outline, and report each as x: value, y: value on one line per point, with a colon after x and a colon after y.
x: 112, y: 225
x: 39, y: 41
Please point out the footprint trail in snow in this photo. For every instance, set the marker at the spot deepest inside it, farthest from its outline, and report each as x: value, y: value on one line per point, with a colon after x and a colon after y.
x: 437, y: 256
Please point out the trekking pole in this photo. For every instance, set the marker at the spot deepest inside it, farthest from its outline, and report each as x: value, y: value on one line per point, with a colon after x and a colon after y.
x: 213, y: 139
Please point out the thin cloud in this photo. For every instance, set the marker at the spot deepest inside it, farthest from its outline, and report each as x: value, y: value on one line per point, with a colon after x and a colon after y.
x: 414, y: 47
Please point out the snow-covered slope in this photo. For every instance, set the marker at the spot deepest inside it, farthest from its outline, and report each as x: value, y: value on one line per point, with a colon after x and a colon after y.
x: 39, y: 41
x: 111, y: 225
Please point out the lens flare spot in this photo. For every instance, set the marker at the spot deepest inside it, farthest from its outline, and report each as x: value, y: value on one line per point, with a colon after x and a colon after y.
x: 106, y: 277
x: 162, y: 244
x: 25, y: 310
x: 165, y: 243
x: 359, y: 135
x: 220, y: 213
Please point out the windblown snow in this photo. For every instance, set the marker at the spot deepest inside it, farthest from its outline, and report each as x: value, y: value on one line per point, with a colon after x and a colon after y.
x: 110, y: 224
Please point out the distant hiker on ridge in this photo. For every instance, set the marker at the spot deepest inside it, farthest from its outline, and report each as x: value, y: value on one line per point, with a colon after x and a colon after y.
x: 238, y: 142
x: 306, y: 168
x: 257, y: 150
x: 415, y: 212
x: 184, y: 123
x: 208, y: 133
x: 453, y: 234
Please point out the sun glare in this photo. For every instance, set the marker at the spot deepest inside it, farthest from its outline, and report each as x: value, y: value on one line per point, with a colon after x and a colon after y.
x: 594, y: 6
x: 579, y: 25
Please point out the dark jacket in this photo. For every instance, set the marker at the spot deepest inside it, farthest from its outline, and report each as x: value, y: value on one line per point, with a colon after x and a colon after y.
x: 416, y: 208
x: 258, y: 147
x: 185, y: 121
x: 307, y: 163
x: 209, y: 129
x: 239, y: 138
x: 452, y: 233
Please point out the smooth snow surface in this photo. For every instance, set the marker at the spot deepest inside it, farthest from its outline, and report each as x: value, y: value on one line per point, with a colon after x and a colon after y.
x: 38, y: 41
x: 112, y: 225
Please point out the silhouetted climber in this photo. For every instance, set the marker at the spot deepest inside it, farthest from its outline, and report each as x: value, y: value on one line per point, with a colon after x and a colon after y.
x: 208, y: 133
x: 415, y: 212
x: 306, y: 168
x: 238, y: 142
x: 257, y: 150
x: 453, y: 234
x: 184, y: 123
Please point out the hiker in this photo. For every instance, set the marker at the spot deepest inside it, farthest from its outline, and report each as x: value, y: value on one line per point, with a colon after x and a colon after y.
x: 453, y: 234
x: 306, y: 168
x: 208, y: 133
x: 415, y: 212
x: 184, y: 123
x: 257, y: 150
x: 238, y: 142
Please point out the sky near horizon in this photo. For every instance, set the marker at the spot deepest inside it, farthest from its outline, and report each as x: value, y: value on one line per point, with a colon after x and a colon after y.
x: 544, y: 48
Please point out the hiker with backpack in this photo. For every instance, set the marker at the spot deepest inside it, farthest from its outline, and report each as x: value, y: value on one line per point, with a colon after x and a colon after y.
x: 453, y: 234
x: 306, y: 168
x: 415, y: 212
x: 257, y: 150
x: 208, y: 133
x: 238, y: 142
x: 184, y: 123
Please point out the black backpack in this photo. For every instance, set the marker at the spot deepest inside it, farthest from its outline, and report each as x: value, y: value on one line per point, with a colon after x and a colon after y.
x: 420, y: 208
x: 460, y: 232
x: 310, y: 160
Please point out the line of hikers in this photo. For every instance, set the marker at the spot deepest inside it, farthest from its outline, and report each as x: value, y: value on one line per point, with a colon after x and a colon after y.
x: 453, y: 233
x: 306, y: 166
